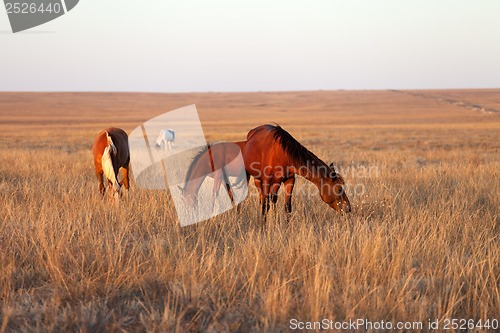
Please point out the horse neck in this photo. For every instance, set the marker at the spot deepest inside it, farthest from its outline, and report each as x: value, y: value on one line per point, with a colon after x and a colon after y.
x: 196, y: 175
x: 313, y: 169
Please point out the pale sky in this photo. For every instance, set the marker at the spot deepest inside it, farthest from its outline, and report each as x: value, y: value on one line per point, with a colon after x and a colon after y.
x: 272, y: 45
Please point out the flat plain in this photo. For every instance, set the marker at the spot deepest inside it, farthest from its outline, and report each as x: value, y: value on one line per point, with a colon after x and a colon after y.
x: 422, y: 242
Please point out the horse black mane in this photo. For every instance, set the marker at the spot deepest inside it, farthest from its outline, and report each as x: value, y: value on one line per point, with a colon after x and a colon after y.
x: 297, y: 151
x: 195, y: 161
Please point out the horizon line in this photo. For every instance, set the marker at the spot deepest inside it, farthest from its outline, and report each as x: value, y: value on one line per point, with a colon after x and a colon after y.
x: 233, y: 92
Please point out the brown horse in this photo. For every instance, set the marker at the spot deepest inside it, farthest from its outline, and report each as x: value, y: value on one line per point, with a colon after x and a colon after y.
x: 111, y: 152
x: 210, y: 159
x: 272, y: 156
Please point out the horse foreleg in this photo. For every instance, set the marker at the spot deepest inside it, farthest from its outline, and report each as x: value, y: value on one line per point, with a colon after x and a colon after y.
x: 274, y: 192
x: 225, y: 179
x: 288, y: 184
x: 262, y: 197
x: 220, y: 179
x: 238, y: 206
x: 217, y: 183
x: 273, y: 196
x: 230, y: 193
x: 266, y: 191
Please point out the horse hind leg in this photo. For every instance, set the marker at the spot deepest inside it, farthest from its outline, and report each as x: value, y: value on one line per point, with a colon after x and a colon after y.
x: 126, y: 179
x: 102, y: 189
x: 115, y: 187
x: 114, y: 191
x: 110, y: 189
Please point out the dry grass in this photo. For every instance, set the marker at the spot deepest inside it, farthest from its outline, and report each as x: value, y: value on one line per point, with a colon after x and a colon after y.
x: 421, y: 243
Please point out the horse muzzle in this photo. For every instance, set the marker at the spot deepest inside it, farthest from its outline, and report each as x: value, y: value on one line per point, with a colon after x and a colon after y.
x: 341, y: 207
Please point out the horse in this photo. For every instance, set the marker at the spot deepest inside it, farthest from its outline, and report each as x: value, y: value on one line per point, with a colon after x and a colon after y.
x: 111, y: 152
x: 165, y: 138
x: 211, y: 158
x: 273, y: 157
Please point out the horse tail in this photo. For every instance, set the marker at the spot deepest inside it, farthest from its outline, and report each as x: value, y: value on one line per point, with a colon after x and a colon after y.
x: 173, y: 135
x: 107, y: 162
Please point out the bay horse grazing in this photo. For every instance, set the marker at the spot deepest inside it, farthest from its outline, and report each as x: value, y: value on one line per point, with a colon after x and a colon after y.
x: 165, y: 138
x: 216, y: 157
x: 111, y: 152
x: 272, y: 156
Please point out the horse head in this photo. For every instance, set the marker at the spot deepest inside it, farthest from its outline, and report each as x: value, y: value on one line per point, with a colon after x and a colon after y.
x: 332, y: 191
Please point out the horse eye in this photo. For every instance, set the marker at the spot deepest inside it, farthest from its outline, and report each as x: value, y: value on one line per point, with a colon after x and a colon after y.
x: 333, y: 175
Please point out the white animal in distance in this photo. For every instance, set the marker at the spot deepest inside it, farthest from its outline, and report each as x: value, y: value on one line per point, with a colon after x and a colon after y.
x: 166, y: 139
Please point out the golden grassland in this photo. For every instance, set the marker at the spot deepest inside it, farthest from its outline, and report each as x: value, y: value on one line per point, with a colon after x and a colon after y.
x: 422, y: 241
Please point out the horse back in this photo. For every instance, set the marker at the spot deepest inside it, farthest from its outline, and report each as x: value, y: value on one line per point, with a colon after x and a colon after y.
x: 260, y: 130
x: 120, y: 140
x: 262, y: 152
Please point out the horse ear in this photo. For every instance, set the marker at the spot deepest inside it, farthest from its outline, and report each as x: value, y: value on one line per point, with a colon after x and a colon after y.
x: 333, y: 174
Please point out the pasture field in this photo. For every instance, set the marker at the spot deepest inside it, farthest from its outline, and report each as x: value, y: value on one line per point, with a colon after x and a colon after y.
x: 422, y: 242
